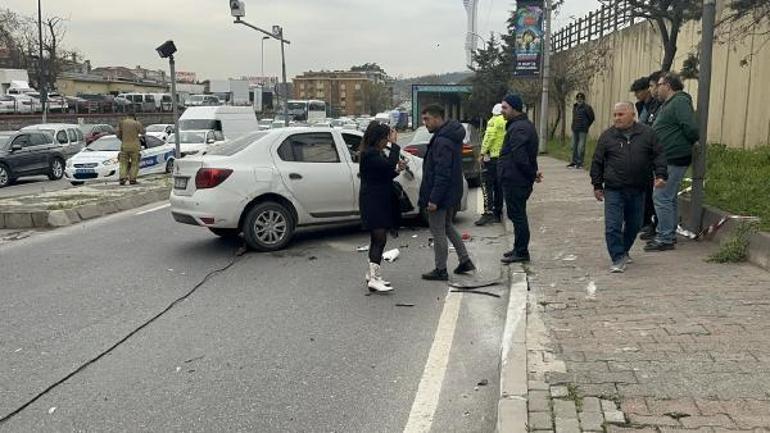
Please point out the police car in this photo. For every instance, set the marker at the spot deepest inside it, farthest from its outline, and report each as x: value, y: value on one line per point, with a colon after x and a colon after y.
x: 99, y: 161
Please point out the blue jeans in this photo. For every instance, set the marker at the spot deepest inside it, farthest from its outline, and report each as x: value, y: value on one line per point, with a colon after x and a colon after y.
x: 666, y: 204
x: 578, y: 147
x: 623, y: 212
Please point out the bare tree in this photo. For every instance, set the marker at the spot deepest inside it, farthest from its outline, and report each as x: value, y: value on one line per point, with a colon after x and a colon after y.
x: 668, y: 16
x: 746, y: 18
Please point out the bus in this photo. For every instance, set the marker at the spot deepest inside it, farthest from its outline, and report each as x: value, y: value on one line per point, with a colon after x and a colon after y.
x: 309, y: 111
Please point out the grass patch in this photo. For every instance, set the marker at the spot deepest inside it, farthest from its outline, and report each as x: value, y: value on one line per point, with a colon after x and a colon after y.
x: 574, y: 395
x: 737, y: 181
x: 736, y: 249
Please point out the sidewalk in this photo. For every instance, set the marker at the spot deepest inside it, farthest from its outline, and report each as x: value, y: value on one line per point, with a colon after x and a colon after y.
x: 674, y: 344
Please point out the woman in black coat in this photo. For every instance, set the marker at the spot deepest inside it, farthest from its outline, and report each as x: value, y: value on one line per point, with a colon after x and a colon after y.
x: 379, y: 210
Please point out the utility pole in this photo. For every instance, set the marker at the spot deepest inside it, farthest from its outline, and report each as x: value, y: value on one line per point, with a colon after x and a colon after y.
x: 41, y: 71
x: 175, y: 111
x: 264, y: 38
x: 704, y: 99
x: 546, y: 79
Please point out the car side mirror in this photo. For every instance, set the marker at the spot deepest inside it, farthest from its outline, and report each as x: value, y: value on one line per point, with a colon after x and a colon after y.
x: 15, y: 147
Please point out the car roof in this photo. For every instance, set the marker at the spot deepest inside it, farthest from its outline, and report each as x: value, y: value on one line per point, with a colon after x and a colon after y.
x: 49, y: 125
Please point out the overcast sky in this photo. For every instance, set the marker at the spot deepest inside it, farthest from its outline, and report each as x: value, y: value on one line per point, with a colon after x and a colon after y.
x: 407, y: 37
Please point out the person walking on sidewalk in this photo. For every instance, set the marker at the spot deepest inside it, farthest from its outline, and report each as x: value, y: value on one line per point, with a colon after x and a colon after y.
x: 128, y: 132
x: 442, y: 189
x: 490, y: 152
x: 582, y: 119
x: 620, y: 173
x: 647, y: 106
x: 676, y: 128
x: 517, y: 169
x: 376, y: 204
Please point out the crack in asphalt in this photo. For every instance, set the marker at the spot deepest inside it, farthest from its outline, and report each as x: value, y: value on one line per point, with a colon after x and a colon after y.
x: 233, y: 260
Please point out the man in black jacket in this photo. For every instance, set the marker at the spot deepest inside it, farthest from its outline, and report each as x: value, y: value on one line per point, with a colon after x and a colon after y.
x: 517, y: 170
x: 442, y: 190
x: 582, y: 119
x: 619, y: 173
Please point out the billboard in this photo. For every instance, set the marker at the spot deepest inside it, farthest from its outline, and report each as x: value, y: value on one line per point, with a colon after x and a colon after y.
x: 528, y: 30
x: 186, y: 77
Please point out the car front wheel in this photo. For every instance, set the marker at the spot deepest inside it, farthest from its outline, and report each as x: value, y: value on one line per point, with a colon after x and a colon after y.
x: 5, y: 176
x: 268, y: 226
x: 56, y: 169
x: 170, y: 165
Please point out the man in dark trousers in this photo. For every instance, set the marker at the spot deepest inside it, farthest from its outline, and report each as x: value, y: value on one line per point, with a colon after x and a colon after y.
x: 647, y: 106
x: 517, y: 169
x: 582, y: 119
x: 620, y: 174
x: 442, y: 189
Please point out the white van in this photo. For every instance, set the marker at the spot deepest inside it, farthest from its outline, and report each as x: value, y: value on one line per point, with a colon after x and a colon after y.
x: 233, y: 122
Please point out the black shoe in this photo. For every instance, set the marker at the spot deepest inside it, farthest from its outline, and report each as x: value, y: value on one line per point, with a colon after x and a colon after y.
x: 122, y: 182
x: 465, y: 267
x: 579, y: 167
x: 509, y: 253
x: 436, y: 275
x: 515, y: 258
x: 133, y: 182
x: 658, y: 246
x: 484, y: 220
x: 571, y: 165
x: 647, y: 235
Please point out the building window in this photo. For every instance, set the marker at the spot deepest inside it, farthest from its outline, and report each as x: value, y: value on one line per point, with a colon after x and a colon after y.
x: 343, y: 94
x: 301, y: 94
x: 342, y: 86
x: 358, y: 87
x: 301, y: 85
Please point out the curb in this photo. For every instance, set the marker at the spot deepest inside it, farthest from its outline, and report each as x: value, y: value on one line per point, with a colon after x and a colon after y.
x: 512, y: 403
x: 46, y: 219
x: 759, y: 248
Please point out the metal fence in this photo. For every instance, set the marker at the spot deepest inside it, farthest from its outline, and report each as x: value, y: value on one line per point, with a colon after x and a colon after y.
x: 601, y: 22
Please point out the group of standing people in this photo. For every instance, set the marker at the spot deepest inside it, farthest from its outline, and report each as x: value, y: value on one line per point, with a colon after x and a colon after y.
x: 511, y: 155
x: 638, y: 166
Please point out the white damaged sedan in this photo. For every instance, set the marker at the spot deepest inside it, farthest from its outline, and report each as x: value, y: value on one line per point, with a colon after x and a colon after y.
x: 99, y: 161
x: 267, y: 184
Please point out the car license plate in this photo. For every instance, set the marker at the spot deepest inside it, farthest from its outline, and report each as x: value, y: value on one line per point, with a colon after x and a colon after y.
x: 180, y: 182
x: 84, y: 171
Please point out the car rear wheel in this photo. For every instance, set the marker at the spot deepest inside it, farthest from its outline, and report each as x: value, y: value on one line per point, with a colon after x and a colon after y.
x: 5, y: 176
x: 56, y: 169
x: 268, y: 226
x: 225, y: 233
x: 170, y: 165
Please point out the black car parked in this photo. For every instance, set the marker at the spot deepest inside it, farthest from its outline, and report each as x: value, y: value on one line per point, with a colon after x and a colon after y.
x: 30, y: 153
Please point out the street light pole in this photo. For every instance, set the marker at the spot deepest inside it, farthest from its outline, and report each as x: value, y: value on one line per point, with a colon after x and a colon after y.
x: 264, y: 38
x: 278, y: 35
x: 41, y: 72
x: 175, y: 111
x: 546, y: 79
x: 704, y: 99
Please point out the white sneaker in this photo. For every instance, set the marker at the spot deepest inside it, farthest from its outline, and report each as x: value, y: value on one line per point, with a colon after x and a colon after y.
x: 376, y: 284
x: 618, y: 268
x: 368, y: 277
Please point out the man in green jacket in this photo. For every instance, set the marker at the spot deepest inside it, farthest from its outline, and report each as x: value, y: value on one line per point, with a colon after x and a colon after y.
x: 490, y: 151
x: 677, y: 129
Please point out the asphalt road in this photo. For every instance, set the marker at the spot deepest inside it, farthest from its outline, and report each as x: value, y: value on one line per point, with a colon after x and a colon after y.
x: 281, y: 342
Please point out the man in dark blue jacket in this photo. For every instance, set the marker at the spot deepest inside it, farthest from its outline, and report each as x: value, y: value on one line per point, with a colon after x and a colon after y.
x: 442, y: 189
x: 517, y: 169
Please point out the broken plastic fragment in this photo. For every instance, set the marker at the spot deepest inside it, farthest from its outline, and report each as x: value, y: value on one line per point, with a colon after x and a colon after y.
x: 570, y: 258
x: 414, y: 236
x: 51, y: 410
x: 363, y: 249
x: 400, y: 304
x: 591, y: 290
x: 392, y: 255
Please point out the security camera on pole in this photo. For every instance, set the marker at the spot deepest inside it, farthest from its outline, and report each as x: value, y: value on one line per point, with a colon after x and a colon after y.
x: 238, y: 11
x: 167, y: 50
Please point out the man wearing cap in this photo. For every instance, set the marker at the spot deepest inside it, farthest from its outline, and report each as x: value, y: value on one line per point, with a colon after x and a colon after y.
x: 490, y: 152
x: 582, y: 119
x: 517, y: 170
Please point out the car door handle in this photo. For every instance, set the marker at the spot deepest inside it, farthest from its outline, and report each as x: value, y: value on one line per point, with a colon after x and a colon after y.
x: 295, y: 176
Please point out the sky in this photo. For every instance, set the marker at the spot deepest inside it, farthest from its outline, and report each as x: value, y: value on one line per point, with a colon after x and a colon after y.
x: 406, y: 37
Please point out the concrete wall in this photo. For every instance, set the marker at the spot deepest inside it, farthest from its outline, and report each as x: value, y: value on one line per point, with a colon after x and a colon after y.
x: 14, y: 123
x: 739, y: 115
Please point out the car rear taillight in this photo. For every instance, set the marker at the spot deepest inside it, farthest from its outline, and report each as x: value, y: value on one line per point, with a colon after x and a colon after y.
x: 412, y: 150
x: 467, y: 149
x: 211, y: 177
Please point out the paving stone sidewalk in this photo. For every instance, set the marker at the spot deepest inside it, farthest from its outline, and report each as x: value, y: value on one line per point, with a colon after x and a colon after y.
x: 674, y: 344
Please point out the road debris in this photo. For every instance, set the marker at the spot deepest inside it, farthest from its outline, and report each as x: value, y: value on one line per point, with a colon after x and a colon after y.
x: 591, y: 290
x: 483, y: 382
x: 51, y: 410
x: 195, y: 359
x: 466, y: 236
x: 311, y: 258
x: 570, y: 258
x: 363, y: 249
x: 477, y: 292
x: 392, y: 255
x: 403, y: 304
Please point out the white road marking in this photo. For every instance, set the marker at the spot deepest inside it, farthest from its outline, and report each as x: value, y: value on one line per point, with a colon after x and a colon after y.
x: 154, y: 209
x: 429, y: 390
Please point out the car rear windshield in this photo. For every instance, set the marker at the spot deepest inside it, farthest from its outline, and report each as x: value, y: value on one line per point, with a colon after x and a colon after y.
x: 232, y: 147
x: 105, y: 144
